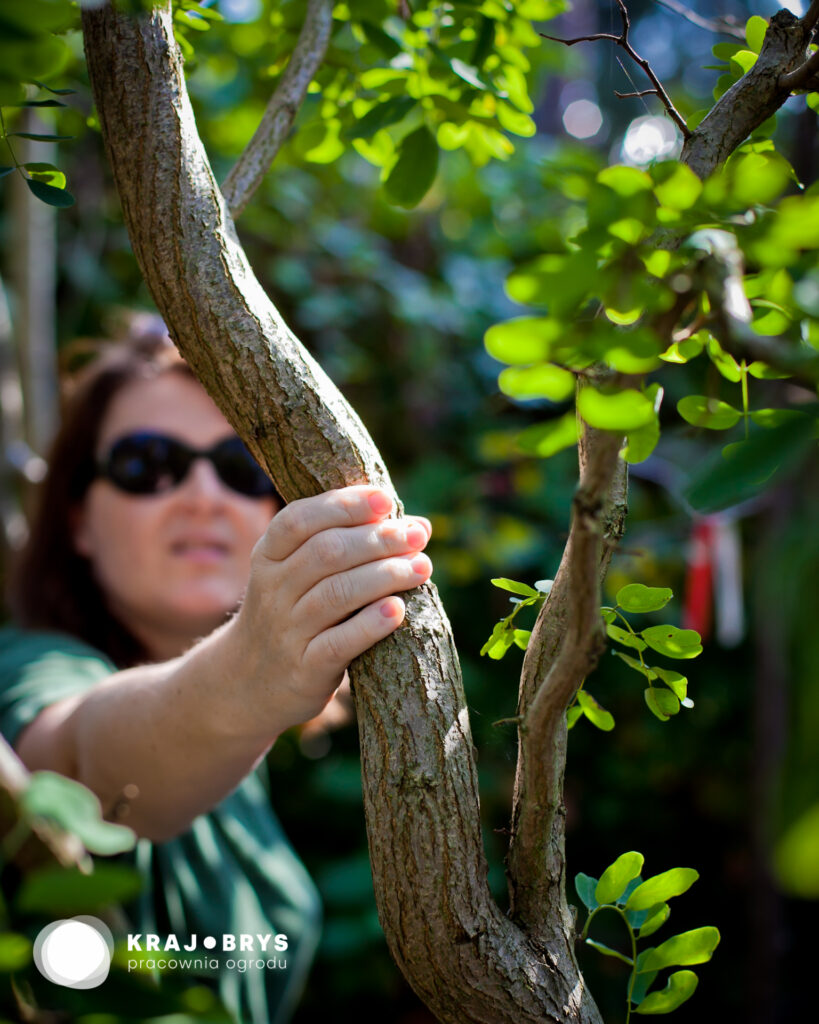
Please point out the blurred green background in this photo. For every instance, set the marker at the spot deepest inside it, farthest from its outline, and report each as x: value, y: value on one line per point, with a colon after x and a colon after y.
x: 394, y: 304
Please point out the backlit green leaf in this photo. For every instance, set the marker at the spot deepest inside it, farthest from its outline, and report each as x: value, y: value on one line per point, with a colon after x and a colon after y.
x: 635, y: 664
x: 595, y: 712
x: 634, y: 597
x: 543, y: 381
x: 672, y: 641
x: 661, y: 888
x: 676, y: 186
x: 608, y: 951
x: 655, y: 918
x: 755, y: 29
x: 622, y: 636
x: 700, y: 411
x: 681, y: 986
x: 617, y: 875
x: 382, y: 115
x: 526, y: 339
x: 546, y: 439
x: 513, y: 587
x: 678, y: 684
x: 625, y: 181
x: 661, y: 703
x: 694, y: 947
x: 621, y: 411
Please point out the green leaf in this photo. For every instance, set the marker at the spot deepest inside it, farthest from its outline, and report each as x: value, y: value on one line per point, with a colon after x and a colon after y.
x: 521, y: 637
x: 574, y: 713
x: 15, y: 952
x: 642, y: 984
x: 678, y: 684
x: 5, y: 170
x: 622, y: 636
x: 69, y: 891
x: 49, y: 194
x: 660, y: 888
x: 764, y: 372
x: 625, y: 181
x: 414, y: 171
x: 661, y: 703
x: 724, y: 361
x: 755, y: 29
x: 621, y: 411
x: 685, y: 949
x: 543, y: 381
x: 382, y: 115
x: 721, y: 482
x: 656, y: 917
x: 676, y: 185
x: 608, y: 951
x: 499, y: 642
x: 700, y: 411
x: 47, y: 173
x: 514, y: 587
x: 635, y: 664
x: 75, y: 809
x: 546, y: 439
x: 617, y: 875
x: 585, y: 886
x: 596, y: 714
x: 672, y: 641
x: 41, y: 103
x: 681, y: 986
x: 526, y: 339
x: 40, y: 137
x: 634, y: 597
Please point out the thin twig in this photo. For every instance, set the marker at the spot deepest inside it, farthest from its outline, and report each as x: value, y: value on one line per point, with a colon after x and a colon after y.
x: 623, y: 41
x: 635, y: 95
x: 802, y: 75
x: 251, y: 167
x: 725, y: 26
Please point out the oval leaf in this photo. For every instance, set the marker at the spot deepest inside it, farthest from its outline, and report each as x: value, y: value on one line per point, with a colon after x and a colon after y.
x: 661, y: 703
x: 660, y: 888
x: 700, y: 411
x: 616, y: 877
x: 625, y: 410
x: 595, y: 713
x: 656, y: 917
x: 585, y: 886
x: 625, y: 638
x: 514, y: 587
x: 673, y: 642
x: 49, y: 194
x: 414, y: 171
x: 694, y: 947
x: 634, y: 597
x: 681, y: 986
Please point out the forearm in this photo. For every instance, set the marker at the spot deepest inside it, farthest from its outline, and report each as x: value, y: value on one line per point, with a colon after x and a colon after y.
x: 164, y: 742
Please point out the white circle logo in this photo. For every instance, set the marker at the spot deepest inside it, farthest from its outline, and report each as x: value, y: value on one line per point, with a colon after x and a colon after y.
x: 75, y: 953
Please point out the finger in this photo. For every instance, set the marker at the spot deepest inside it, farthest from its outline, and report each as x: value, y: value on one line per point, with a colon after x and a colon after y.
x: 302, y: 519
x: 427, y: 525
x: 334, y: 598
x: 336, y: 647
x: 333, y: 551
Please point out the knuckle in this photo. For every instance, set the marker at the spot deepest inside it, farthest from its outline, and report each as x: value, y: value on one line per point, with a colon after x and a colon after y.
x: 335, y: 648
x: 330, y: 546
x: 338, y: 590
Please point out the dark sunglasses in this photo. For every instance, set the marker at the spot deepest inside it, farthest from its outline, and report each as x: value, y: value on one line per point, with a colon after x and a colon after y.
x: 146, y: 463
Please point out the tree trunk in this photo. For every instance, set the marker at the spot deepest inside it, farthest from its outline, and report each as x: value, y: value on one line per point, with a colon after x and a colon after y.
x: 464, y: 958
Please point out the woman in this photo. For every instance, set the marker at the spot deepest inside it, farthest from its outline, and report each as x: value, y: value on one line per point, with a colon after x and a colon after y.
x: 154, y: 524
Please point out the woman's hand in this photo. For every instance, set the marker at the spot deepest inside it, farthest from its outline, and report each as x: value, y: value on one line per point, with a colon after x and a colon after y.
x: 322, y: 591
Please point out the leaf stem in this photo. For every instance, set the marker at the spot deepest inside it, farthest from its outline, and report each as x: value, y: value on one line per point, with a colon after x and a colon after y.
x: 639, y: 652
x: 744, y: 370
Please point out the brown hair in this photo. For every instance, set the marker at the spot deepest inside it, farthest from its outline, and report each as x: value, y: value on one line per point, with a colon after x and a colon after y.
x: 52, y: 586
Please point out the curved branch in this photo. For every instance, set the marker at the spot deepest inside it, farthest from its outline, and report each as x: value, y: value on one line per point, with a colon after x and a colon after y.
x: 565, y: 646
x: 720, y: 25
x: 811, y: 16
x: 462, y: 955
x: 251, y: 167
x: 802, y: 75
x: 750, y: 101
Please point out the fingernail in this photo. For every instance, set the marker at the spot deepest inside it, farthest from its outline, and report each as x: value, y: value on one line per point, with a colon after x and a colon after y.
x: 416, y: 535
x: 379, y: 503
x: 421, y: 565
x: 391, y: 609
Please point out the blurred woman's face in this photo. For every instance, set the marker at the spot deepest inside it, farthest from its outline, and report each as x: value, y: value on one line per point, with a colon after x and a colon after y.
x: 173, y: 564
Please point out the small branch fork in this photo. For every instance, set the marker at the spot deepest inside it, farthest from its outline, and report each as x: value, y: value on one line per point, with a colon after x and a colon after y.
x: 251, y: 167
x: 807, y: 74
x: 623, y: 41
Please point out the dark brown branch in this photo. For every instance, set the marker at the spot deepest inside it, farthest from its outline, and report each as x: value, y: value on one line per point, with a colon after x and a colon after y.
x: 811, y: 15
x: 623, y: 41
x: 724, y: 26
x: 801, y: 77
x: 254, y: 163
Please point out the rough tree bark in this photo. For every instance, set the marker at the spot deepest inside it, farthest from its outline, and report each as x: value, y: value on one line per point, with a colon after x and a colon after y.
x: 465, y: 958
